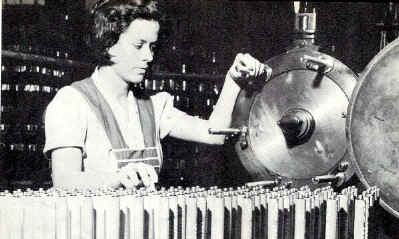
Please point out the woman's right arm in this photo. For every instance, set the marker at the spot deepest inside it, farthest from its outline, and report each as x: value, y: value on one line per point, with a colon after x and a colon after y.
x: 65, y: 128
x: 66, y: 172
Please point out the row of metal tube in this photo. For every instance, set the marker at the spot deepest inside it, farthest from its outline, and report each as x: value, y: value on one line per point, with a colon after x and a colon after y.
x: 192, y: 213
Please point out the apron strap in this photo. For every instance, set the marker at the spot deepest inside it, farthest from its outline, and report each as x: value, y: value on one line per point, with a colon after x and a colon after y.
x: 105, y: 116
x: 102, y: 110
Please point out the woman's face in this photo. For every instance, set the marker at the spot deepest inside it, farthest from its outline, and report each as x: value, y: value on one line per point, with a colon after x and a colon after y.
x: 135, y: 50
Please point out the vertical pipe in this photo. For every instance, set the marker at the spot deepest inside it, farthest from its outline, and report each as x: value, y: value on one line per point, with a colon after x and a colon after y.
x: 137, y: 216
x: 218, y: 218
x: 174, y: 216
x: 343, y: 219
x: 74, y: 216
x: 87, y: 217
x: 14, y: 218
x: 331, y: 219
x: 61, y: 217
x: 181, y: 212
x: 235, y: 232
x: 125, y: 221
x: 47, y: 208
x: 247, y: 219
x: 191, y: 231
x: 202, y: 208
x: 272, y: 218
x: 227, y: 215
x: 286, y: 215
x: 100, y: 221
x: 263, y: 215
x: 163, y: 218
x: 300, y: 219
x: 359, y: 221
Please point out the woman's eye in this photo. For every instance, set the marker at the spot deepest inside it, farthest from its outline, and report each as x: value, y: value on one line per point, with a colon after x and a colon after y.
x: 138, y: 47
x: 153, y: 47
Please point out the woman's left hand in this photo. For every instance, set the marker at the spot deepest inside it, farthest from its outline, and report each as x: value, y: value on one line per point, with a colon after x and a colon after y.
x: 134, y: 175
x: 246, y: 67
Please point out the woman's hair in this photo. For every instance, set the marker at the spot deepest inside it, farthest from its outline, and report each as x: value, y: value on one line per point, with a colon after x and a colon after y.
x: 110, y: 18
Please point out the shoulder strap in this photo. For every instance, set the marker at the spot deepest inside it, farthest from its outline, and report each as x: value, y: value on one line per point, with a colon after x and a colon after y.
x: 106, y: 117
x: 104, y: 114
x: 102, y: 110
x: 147, y: 121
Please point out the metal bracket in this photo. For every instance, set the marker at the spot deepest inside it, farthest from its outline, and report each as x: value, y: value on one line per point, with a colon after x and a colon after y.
x: 320, y: 64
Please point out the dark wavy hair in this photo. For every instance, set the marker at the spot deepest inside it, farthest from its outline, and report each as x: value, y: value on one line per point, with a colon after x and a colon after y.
x: 110, y: 18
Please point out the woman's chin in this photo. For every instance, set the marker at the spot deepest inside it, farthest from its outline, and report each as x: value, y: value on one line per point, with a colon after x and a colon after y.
x: 136, y: 79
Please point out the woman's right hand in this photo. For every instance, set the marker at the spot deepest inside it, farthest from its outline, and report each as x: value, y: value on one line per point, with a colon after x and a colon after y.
x: 135, y: 175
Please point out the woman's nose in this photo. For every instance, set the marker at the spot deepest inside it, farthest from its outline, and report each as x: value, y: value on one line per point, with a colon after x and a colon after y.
x: 148, y: 55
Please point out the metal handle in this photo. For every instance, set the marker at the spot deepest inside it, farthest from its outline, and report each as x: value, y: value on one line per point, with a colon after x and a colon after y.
x: 241, y: 132
x: 266, y: 183
x: 227, y: 131
x: 336, y: 179
x: 318, y: 63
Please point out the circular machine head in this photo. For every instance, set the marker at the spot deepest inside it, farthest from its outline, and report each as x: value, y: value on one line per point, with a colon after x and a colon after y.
x: 373, y: 126
x: 296, y: 123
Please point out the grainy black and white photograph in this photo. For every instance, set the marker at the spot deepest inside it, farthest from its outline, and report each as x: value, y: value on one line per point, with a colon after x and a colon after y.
x: 195, y: 119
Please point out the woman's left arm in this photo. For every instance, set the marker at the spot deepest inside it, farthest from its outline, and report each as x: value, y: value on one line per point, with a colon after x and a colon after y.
x: 194, y: 129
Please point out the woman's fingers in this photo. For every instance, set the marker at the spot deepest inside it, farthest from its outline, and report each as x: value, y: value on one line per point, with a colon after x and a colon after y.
x: 152, y: 173
x: 127, y: 181
x: 139, y: 174
x: 142, y: 171
x: 246, y: 65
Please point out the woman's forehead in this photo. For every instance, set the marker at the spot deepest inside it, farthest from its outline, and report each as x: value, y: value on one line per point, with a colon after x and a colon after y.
x: 142, y: 30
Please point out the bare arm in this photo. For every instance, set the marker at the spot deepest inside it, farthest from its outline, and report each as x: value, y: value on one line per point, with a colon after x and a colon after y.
x: 194, y: 129
x: 66, y: 172
x: 66, y: 167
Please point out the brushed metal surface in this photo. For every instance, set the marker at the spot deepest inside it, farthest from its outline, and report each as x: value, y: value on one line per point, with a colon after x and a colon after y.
x: 373, y: 126
x: 293, y: 86
x: 326, y: 146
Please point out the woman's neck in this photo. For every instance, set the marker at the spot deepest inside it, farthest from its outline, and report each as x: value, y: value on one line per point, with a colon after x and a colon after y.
x: 114, y: 84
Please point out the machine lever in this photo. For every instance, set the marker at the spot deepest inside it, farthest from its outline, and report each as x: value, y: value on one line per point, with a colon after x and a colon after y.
x: 336, y: 179
x: 227, y: 131
x: 241, y: 132
x: 266, y: 183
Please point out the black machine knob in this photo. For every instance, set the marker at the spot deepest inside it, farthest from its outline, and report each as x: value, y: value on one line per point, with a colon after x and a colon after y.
x: 297, y: 126
x: 291, y: 125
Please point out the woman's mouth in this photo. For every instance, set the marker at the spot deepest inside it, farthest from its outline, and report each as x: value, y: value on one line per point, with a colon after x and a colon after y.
x: 141, y: 71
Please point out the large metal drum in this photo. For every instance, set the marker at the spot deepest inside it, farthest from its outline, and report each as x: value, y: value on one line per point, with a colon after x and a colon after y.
x: 373, y: 126
x: 296, y: 122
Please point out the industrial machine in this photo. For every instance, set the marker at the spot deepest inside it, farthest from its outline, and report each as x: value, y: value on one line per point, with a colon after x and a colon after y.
x: 292, y: 128
x: 373, y: 126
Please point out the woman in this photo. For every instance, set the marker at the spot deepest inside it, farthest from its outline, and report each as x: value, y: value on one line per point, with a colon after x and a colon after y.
x: 89, y: 121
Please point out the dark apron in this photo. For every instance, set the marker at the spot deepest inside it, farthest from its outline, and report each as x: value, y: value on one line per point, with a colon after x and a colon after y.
x: 151, y: 154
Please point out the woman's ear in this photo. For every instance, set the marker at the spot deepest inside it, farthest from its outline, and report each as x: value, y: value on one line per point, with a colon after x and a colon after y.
x: 114, y: 51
